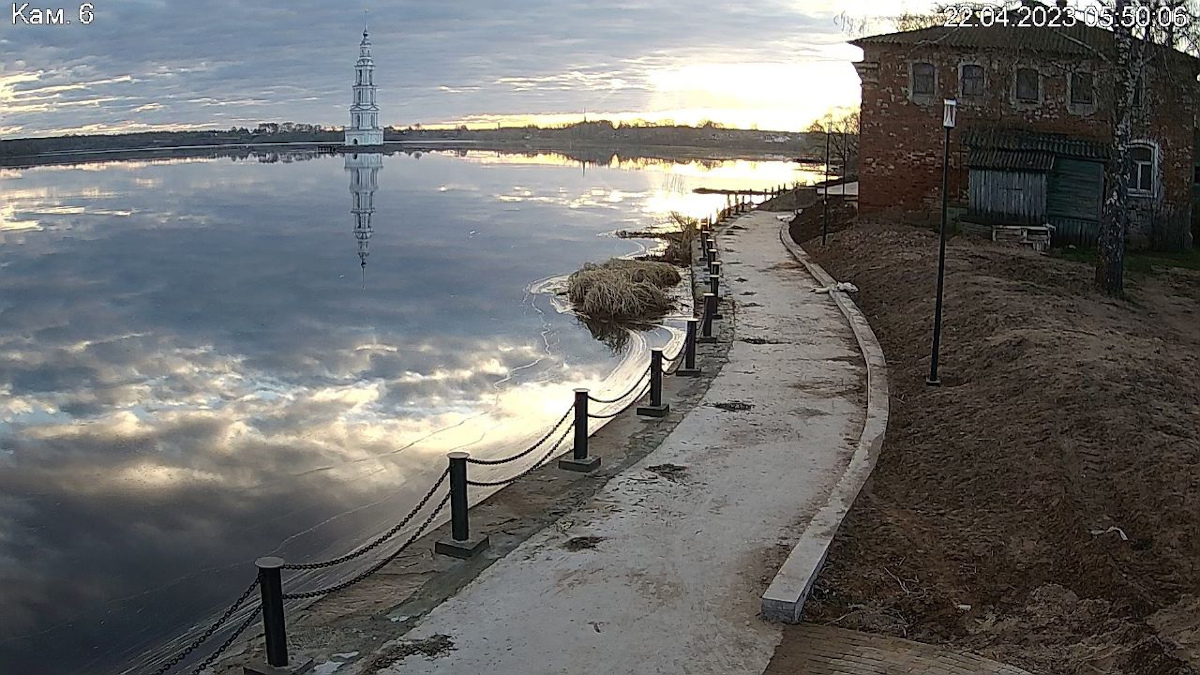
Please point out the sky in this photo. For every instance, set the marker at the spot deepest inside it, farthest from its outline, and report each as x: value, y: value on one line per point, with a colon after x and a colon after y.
x: 170, y: 64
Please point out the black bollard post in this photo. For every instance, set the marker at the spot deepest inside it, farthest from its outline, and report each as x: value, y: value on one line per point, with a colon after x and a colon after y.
x: 460, y: 525
x: 704, y: 246
x: 656, y: 408
x: 579, y: 460
x: 270, y: 586
x: 712, y: 256
x: 714, y: 276
x: 710, y: 308
x: 688, y: 368
x: 460, y: 545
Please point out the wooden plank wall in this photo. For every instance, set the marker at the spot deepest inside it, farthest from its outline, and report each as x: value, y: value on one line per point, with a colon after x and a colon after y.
x: 1008, y: 197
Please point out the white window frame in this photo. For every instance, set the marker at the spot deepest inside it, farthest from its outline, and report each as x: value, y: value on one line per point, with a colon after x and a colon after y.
x: 1071, y: 89
x: 1138, y: 191
x: 962, y: 69
x: 912, y: 74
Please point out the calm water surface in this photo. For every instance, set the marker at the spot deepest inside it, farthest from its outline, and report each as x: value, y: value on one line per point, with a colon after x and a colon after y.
x: 197, y: 368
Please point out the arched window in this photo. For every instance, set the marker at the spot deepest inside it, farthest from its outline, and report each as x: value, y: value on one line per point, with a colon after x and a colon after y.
x: 1143, y: 158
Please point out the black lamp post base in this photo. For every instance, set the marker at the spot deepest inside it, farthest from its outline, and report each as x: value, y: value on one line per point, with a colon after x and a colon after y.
x: 298, y: 666
x: 687, y: 372
x: 933, y: 382
x: 581, y: 465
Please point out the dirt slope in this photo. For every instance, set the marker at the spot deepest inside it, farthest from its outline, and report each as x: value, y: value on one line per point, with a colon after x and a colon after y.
x: 1063, y: 414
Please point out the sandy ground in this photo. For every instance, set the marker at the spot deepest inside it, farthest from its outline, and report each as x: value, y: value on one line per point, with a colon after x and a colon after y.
x: 1041, y: 507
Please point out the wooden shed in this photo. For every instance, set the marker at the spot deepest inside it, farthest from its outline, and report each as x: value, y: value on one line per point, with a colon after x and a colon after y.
x: 1022, y: 178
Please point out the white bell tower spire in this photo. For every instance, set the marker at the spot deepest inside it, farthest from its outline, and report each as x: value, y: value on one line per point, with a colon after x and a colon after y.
x: 364, y: 126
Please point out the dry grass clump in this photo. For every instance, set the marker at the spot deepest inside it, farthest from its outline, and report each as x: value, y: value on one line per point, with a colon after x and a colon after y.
x: 679, y: 244
x: 622, y: 290
x: 678, y: 250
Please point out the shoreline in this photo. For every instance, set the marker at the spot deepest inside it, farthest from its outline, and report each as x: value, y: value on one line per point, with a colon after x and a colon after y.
x: 595, y: 154
x: 417, y: 581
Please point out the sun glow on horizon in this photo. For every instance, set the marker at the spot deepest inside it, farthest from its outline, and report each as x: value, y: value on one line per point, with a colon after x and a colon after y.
x: 779, y: 96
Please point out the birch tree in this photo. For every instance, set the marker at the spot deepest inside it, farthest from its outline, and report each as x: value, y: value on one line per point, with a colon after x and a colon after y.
x: 1133, y: 40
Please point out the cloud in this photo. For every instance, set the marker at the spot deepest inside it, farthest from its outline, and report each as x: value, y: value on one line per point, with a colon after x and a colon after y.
x: 143, y: 65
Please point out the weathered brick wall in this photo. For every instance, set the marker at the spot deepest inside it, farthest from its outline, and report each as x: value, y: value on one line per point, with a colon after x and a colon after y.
x: 902, y: 134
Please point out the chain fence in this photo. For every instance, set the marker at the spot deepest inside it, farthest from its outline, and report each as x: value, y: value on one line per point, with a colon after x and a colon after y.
x: 645, y: 374
x: 208, y: 632
x: 536, y: 465
x: 378, y: 565
x: 673, y: 362
x: 378, y: 541
x: 519, y: 455
x: 622, y: 408
x: 211, y: 658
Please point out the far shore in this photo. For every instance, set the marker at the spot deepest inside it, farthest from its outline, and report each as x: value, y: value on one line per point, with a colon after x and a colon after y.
x: 584, y: 153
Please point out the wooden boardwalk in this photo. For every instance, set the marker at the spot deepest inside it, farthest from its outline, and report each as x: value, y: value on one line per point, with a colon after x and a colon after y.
x: 811, y: 649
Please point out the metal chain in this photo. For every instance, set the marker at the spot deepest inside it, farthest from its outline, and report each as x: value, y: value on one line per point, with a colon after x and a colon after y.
x: 519, y: 455
x: 637, y: 384
x: 208, y: 633
x: 537, y: 465
x: 678, y: 354
x: 618, y: 412
x: 378, y: 540
x: 377, y: 566
x: 208, y: 661
x: 175, y: 660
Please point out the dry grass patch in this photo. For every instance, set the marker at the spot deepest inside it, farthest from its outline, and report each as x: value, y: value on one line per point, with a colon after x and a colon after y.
x: 622, y: 290
x: 678, y: 250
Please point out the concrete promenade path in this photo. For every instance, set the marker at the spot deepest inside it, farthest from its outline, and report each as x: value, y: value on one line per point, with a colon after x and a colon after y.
x: 684, y: 542
x: 662, y: 571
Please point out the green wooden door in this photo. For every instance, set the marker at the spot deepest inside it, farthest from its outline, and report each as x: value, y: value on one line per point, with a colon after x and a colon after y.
x: 1074, y: 201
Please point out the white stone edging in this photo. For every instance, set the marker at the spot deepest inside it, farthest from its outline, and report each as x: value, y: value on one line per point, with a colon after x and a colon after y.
x: 784, y: 598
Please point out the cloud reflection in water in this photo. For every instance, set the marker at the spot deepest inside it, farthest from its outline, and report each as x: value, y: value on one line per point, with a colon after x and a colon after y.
x: 193, y: 374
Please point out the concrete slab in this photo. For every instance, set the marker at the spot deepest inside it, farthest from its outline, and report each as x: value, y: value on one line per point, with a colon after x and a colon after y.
x: 468, y: 548
x: 581, y: 465
x: 661, y: 571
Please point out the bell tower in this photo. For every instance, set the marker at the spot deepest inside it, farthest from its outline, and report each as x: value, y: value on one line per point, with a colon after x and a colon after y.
x: 364, y: 126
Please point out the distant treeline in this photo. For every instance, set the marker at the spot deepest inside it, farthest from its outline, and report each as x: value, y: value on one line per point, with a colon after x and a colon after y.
x: 154, y: 139
x: 600, y: 133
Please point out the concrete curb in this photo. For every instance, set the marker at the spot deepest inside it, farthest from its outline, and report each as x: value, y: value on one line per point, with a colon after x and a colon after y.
x: 784, y: 598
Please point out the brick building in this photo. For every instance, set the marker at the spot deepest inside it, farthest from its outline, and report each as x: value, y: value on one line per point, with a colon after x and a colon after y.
x: 1033, y: 130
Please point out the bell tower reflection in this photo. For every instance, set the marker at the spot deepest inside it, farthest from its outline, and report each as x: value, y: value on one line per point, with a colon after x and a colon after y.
x: 364, y: 181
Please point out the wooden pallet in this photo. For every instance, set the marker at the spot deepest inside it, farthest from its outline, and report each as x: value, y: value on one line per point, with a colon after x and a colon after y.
x: 1037, y: 236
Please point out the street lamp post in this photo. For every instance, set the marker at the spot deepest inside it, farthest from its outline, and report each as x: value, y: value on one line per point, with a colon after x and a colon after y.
x: 949, y: 113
